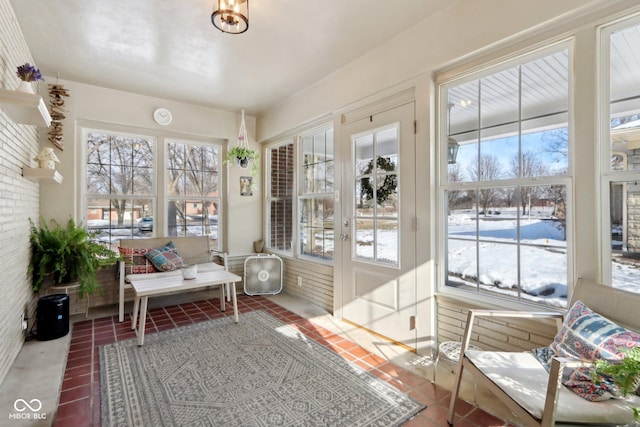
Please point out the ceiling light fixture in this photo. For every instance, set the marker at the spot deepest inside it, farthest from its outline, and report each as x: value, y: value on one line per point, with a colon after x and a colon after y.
x: 231, y: 16
x: 452, y: 144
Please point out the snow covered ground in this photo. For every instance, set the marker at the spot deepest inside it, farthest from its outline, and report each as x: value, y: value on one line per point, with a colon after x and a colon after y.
x: 543, y: 275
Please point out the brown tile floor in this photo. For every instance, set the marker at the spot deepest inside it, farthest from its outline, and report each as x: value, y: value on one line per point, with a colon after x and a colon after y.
x: 79, y: 403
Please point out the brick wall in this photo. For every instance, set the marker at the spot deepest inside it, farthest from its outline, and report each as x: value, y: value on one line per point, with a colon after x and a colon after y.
x: 315, y: 284
x: 491, y: 334
x: 19, y: 197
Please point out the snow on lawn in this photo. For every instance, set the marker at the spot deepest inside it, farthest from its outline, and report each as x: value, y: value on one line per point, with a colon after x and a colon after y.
x: 543, y: 272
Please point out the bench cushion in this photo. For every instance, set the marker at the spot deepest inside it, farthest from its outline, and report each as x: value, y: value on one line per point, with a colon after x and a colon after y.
x: 510, y: 371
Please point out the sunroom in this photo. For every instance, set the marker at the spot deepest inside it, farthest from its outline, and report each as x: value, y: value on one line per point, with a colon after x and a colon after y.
x: 463, y: 158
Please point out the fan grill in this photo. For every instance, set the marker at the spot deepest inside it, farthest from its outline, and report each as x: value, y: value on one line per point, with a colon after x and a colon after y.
x: 262, y: 275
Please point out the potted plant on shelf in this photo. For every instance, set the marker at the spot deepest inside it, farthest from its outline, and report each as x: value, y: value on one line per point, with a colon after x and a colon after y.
x: 242, y: 156
x: 28, y: 74
x: 67, y: 255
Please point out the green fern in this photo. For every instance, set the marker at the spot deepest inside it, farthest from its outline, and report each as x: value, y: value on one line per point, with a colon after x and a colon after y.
x: 624, y: 373
x: 67, y: 254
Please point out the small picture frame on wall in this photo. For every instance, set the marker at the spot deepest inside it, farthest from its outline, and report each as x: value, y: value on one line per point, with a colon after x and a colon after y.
x: 246, y: 186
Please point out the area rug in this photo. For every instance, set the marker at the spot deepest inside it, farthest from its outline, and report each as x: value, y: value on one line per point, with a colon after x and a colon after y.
x: 259, y: 372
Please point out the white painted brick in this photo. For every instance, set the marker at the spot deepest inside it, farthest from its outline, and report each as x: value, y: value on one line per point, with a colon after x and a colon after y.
x: 19, y: 198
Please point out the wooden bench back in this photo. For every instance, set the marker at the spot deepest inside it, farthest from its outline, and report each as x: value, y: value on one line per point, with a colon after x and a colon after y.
x: 193, y: 249
x: 619, y: 306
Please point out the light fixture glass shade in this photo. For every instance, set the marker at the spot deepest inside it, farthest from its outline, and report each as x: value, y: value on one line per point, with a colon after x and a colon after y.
x: 452, y: 150
x: 231, y: 16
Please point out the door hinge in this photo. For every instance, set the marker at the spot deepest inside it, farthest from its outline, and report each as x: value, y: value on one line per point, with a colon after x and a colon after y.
x: 415, y: 127
x: 412, y: 323
x: 414, y: 224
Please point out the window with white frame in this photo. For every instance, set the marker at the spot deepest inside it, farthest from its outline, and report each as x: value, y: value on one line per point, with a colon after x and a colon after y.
x: 299, y: 195
x: 621, y: 155
x: 122, y: 192
x: 120, y: 185
x: 193, y: 195
x: 504, y: 148
x: 315, y: 203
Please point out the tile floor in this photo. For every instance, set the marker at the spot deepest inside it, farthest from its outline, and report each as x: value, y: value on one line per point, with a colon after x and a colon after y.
x: 79, y: 400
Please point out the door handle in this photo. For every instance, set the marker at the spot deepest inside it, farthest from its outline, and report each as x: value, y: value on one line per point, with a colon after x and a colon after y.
x: 344, y: 236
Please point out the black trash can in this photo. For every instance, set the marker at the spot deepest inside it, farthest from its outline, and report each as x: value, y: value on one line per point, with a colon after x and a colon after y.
x: 53, y: 317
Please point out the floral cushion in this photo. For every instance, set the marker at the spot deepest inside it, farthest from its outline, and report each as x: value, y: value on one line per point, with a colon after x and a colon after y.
x: 166, y: 258
x: 586, y: 335
x: 136, y: 261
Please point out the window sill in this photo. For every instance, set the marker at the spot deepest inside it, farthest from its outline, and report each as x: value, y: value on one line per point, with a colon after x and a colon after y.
x: 470, y: 300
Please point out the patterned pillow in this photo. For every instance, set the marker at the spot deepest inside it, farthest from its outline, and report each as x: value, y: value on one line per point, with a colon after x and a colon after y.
x: 166, y: 258
x: 135, y: 261
x: 587, y: 335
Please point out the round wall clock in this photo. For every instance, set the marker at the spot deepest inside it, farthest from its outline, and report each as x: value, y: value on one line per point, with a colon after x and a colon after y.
x: 162, y: 116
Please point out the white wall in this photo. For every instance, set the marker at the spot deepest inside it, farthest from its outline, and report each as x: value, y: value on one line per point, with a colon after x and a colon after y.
x: 95, y: 105
x: 18, y: 198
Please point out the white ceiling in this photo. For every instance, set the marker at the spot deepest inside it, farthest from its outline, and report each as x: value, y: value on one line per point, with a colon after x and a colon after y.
x: 169, y: 48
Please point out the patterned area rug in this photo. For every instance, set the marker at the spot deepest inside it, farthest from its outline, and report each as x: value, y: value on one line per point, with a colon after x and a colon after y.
x: 259, y: 372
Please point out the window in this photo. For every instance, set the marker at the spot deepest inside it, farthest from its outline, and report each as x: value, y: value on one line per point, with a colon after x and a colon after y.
x: 193, y: 196
x: 315, y: 205
x: 280, y: 191
x: 621, y: 156
x: 120, y: 181
x: 124, y: 187
x: 300, y: 188
x: 505, y: 176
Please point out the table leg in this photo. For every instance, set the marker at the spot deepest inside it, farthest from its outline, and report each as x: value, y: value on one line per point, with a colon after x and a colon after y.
x: 134, y: 315
x: 235, y: 303
x: 223, y: 307
x: 143, y: 321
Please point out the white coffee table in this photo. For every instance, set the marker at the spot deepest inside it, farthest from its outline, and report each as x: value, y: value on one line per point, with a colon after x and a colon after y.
x: 153, y: 287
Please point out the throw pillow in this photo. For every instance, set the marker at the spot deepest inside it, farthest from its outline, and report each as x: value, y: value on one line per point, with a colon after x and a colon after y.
x: 166, y: 258
x: 586, y: 335
x: 135, y: 261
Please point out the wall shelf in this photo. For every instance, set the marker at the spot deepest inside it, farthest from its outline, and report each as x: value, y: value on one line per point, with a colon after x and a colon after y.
x: 25, y: 108
x: 37, y: 174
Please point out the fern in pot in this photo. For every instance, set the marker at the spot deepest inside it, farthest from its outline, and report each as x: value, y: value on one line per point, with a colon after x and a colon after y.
x: 67, y: 254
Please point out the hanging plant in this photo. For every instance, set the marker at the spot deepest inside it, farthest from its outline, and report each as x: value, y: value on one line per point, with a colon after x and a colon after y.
x: 242, y: 156
x: 389, y: 185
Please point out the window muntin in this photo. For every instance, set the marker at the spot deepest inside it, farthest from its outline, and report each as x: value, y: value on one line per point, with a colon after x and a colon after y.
x: 505, y: 194
x: 621, y: 192
x: 120, y: 184
x: 193, y: 196
x: 315, y: 204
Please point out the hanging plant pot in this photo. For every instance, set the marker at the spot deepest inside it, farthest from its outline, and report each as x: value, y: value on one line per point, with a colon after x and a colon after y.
x: 243, y: 162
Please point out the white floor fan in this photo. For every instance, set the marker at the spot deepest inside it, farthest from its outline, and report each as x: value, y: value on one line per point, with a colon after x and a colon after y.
x: 262, y: 275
